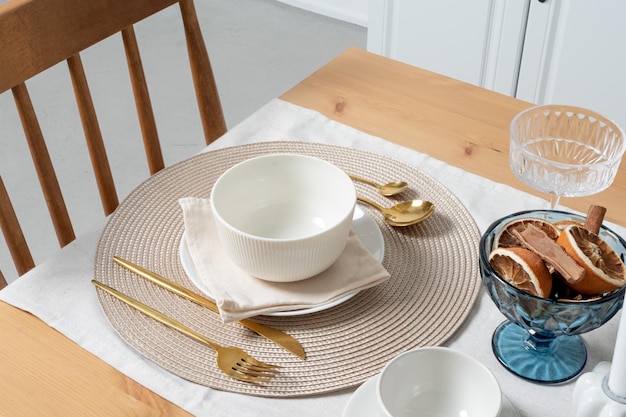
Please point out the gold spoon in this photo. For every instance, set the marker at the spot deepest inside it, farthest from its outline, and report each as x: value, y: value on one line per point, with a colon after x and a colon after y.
x: 406, y: 213
x: 392, y: 188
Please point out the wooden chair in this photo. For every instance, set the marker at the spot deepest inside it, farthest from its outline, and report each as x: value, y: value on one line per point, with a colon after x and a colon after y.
x: 37, y: 34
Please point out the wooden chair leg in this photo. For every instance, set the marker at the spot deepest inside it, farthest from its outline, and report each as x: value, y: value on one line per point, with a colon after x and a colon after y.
x: 142, y: 100
x: 13, y: 235
x: 211, y: 113
x: 43, y: 165
x: 93, y: 135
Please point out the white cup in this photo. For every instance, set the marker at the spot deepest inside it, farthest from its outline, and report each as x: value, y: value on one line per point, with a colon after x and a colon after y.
x: 437, y: 382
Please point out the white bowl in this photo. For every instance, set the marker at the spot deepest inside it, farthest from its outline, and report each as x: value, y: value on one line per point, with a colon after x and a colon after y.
x: 283, y: 217
x: 438, y: 382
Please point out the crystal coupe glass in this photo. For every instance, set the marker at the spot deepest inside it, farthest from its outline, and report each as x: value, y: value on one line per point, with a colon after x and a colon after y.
x: 540, y: 340
x: 565, y: 151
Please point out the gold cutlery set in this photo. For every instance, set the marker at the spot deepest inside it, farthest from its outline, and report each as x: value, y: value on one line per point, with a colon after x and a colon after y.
x: 280, y: 338
x: 233, y: 361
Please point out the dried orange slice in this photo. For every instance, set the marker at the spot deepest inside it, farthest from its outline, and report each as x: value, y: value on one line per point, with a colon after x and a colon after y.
x: 562, y: 224
x: 604, y: 270
x: 522, y: 268
x: 506, y: 238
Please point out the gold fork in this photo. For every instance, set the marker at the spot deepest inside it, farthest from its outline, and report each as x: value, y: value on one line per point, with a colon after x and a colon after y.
x: 233, y: 361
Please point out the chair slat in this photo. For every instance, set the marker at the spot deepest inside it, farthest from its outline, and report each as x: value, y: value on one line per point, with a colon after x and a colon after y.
x: 59, y: 30
x: 93, y: 136
x: 13, y: 235
x: 142, y: 101
x: 213, y: 121
x: 43, y: 166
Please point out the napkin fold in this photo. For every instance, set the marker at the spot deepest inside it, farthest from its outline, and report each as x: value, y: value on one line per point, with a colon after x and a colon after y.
x: 239, y: 295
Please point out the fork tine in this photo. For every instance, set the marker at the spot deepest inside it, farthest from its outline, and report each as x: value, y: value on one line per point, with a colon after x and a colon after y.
x: 245, y: 370
x: 248, y: 378
x: 252, y: 363
x: 240, y: 365
x: 255, y: 370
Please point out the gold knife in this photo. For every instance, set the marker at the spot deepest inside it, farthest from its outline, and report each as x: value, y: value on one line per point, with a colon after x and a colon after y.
x: 280, y: 338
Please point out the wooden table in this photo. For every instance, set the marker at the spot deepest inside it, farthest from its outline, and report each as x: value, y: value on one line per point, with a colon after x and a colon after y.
x: 44, y: 373
x: 452, y: 121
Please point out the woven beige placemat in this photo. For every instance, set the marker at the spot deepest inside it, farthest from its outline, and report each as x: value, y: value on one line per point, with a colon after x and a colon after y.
x: 433, y: 265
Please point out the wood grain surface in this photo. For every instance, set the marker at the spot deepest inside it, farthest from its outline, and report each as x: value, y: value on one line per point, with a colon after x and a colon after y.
x: 461, y: 124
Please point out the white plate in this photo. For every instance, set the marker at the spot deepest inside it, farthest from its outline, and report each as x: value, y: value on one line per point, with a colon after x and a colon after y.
x: 363, y: 225
x: 363, y: 403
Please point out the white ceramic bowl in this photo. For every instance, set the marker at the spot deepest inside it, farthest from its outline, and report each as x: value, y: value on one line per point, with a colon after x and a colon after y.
x: 283, y: 217
x: 438, y: 382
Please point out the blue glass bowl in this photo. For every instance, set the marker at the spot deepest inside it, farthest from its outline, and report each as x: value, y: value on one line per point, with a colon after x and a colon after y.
x: 540, y: 340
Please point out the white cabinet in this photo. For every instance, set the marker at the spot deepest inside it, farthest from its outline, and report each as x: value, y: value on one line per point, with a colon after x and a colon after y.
x: 475, y: 41
x: 575, y: 53
x: 555, y: 51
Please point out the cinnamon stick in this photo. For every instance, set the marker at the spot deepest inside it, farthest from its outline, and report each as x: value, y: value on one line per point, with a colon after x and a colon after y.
x: 595, y: 217
x: 551, y: 252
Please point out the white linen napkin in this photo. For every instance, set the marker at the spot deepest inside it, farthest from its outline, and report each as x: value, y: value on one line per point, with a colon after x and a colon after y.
x: 239, y: 295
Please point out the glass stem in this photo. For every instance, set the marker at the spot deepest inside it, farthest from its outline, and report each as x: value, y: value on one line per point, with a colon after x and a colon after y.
x: 554, y: 200
x: 540, y: 344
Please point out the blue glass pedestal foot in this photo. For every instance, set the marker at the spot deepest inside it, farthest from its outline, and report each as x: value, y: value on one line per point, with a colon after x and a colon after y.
x: 547, y: 360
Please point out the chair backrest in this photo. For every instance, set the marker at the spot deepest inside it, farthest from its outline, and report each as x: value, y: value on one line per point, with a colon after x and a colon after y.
x: 38, y: 34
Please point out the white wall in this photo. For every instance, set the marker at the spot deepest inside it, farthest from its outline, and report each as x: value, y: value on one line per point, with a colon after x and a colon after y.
x: 352, y: 11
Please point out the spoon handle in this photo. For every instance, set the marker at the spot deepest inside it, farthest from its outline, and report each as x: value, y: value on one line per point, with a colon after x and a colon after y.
x: 371, y: 203
x: 366, y: 181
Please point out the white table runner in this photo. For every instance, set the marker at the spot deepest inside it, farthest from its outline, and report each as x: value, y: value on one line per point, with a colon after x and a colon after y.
x: 60, y: 293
